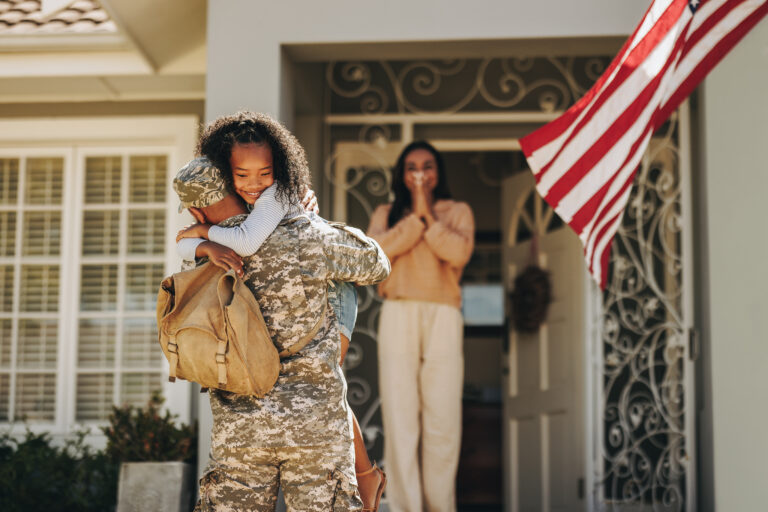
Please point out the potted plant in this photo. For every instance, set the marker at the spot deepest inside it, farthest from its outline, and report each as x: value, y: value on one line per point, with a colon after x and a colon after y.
x: 155, y: 456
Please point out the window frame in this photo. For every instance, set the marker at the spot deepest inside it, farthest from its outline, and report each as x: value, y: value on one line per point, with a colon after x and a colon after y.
x: 74, y: 139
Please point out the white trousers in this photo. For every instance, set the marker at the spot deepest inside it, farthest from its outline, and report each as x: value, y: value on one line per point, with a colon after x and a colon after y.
x: 421, y: 376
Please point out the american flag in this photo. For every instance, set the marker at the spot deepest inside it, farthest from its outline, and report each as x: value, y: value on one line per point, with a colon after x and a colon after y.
x: 585, y: 161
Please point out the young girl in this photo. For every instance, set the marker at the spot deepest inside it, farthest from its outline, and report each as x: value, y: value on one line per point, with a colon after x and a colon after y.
x: 258, y: 157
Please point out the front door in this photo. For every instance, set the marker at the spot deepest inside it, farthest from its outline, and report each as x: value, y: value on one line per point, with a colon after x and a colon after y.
x: 544, y: 396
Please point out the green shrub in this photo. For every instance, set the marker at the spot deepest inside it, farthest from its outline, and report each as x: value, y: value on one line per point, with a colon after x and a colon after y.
x: 38, y: 476
x: 144, y: 435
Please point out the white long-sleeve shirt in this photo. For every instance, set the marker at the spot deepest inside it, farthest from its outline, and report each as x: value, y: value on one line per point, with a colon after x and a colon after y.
x: 246, y: 238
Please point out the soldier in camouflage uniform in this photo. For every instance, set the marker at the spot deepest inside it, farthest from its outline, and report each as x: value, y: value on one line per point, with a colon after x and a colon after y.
x: 298, y: 437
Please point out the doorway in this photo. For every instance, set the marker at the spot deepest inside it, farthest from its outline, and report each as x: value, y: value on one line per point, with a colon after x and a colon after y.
x: 474, y: 111
x: 485, y: 173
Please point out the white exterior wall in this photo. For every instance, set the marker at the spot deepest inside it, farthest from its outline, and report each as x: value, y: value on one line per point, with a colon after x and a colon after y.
x: 735, y: 104
x: 244, y: 37
x: 246, y: 69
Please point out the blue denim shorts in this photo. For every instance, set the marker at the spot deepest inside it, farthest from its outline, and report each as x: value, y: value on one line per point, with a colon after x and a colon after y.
x: 342, y: 297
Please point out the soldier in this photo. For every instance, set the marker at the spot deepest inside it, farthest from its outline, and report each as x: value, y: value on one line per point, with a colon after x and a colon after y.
x: 298, y: 436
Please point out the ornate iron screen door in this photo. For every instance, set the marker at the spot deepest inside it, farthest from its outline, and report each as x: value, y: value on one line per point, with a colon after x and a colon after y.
x: 639, y: 404
x: 646, y: 457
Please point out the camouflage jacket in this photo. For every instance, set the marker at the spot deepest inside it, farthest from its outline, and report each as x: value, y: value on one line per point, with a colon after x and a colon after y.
x: 289, y: 277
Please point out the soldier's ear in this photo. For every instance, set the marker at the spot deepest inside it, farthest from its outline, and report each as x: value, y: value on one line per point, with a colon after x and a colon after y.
x: 197, y: 214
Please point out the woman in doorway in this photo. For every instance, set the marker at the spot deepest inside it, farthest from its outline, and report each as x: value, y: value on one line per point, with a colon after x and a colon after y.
x: 428, y: 239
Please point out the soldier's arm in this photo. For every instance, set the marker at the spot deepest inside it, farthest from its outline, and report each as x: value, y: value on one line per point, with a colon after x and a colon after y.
x: 351, y: 256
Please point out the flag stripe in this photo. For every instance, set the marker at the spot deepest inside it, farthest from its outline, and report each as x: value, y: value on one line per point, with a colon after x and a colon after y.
x: 551, y: 131
x: 615, y: 204
x: 635, y: 71
x: 708, y: 16
x: 633, y: 140
x: 586, y: 160
x: 599, y: 158
x: 590, y: 214
x: 708, y: 60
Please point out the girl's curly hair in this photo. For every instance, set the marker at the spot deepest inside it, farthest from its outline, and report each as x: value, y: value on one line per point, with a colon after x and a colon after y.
x: 289, y: 162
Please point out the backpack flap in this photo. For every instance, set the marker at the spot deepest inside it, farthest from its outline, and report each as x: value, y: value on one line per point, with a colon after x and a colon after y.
x: 253, y: 363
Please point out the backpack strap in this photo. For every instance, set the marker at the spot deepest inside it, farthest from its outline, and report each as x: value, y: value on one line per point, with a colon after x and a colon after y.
x: 309, y: 337
x: 173, y: 359
x: 221, y: 362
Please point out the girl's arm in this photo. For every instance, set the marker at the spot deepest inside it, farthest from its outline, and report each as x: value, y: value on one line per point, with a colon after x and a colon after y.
x: 187, y: 248
x: 246, y: 238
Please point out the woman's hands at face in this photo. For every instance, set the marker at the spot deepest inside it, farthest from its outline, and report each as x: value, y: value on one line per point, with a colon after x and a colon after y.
x: 420, y: 203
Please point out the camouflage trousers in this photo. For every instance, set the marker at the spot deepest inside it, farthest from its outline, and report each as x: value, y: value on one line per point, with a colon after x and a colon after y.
x: 312, y: 479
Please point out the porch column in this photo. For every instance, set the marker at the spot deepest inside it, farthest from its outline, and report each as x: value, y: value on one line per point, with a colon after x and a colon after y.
x: 734, y: 314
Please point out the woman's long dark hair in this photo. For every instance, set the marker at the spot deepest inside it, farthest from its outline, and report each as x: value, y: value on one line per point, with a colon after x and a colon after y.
x: 402, y: 195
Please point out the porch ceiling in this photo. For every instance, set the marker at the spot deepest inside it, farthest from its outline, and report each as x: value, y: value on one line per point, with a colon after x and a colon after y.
x: 94, y: 50
x: 104, y: 88
x: 162, y: 31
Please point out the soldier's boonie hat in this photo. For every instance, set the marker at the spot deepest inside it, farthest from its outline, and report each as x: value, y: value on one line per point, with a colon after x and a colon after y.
x: 199, y: 184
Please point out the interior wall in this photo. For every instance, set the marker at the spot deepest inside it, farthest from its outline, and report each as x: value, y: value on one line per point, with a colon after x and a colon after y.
x: 735, y: 123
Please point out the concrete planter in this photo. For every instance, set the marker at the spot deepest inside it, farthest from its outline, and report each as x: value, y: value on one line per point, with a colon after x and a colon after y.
x: 155, y: 486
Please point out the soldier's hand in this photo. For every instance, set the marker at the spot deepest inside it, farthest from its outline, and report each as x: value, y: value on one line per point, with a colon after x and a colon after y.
x: 193, y: 231
x: 220, y: 256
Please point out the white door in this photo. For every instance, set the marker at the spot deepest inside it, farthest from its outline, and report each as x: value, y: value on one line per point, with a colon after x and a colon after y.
x: 544, y: 388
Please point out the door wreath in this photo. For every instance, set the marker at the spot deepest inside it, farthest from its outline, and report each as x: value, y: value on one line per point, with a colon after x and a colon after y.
x: 531, y: 298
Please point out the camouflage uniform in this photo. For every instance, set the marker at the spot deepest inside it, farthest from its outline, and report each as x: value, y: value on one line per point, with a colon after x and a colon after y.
x: 299, y: 435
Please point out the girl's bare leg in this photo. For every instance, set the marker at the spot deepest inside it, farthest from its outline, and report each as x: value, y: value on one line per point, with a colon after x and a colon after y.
x: 368, y: 484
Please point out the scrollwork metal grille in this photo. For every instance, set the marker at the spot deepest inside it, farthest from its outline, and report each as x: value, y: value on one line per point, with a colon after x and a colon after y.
x: 460, y: 85
x: 416, y: 87
x: 643, y: 455
x: 641, y: 458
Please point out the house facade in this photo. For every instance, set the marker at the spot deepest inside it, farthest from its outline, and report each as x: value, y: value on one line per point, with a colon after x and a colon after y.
x: 647, y: 396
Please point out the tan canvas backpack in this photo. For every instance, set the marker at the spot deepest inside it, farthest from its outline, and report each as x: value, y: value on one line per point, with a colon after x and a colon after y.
x: 212, y: 332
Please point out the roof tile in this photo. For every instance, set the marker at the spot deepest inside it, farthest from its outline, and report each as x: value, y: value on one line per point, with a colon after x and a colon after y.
x: 81, y: 16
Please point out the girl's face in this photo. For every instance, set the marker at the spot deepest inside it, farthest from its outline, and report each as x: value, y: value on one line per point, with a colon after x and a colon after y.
x: 252, y: 170
x: 420, y: 166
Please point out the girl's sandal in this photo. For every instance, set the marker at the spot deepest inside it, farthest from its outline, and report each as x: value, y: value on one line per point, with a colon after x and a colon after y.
x: 380, y: 490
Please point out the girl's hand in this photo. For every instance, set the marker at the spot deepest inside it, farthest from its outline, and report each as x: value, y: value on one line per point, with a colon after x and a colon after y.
x: 220, y: 256
x: 194, y: 231
x: 310, y: 202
